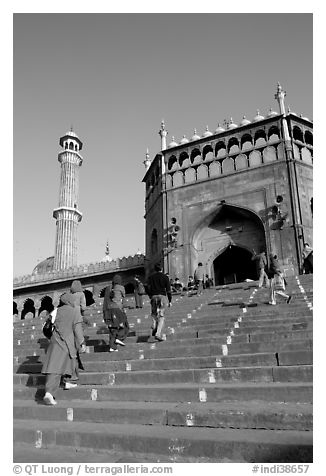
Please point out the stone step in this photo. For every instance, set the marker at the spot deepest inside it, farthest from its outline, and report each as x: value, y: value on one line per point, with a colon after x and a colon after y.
x: 257, y: 414
x: 237, y: 391
x: 25, y: 453
x: 295, y: 373
x: 185, y: 328
x: 214, y: 443
x: 267, y: 359
x: 183, y: 349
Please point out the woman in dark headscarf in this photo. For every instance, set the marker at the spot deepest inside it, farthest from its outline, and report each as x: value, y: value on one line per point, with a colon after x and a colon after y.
x: 66, y: 340
x: 114, y: 314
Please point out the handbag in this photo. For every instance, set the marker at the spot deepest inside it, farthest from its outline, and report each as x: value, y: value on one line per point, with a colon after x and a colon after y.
x: 48, y: 328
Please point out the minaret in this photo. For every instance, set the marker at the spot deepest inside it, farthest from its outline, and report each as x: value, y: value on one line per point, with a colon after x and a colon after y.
x: 67, y: 214
x: 163, y: 133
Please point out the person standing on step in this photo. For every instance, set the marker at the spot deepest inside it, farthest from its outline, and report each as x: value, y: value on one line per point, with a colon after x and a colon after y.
x: 307, y: 255
x: 159, y: 292
x: 139, y: 291
x: 278, y: 282
x: 114, y: 314
x: 79, y: 298
x: 261, y: 262
x: 199, y: 278
x: 66, y: 340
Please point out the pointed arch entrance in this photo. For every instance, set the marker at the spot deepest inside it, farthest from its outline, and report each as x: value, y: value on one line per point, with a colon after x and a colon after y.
x: 233, y: 265
x: 224, y: 242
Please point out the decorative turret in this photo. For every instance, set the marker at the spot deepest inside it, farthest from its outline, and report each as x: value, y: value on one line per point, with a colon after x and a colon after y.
x: 163, y: 133
x: 67, y: 214
x: 107, y: 256
x: 173, y: 143
x: 147, y: 161
x: 195, y: 136
x: 279, y: 96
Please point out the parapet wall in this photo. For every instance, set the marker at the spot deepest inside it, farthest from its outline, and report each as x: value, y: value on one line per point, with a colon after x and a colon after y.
x: 81, y: 270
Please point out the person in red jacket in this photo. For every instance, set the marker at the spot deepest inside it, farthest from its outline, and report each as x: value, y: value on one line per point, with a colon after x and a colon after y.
x: 159, y: 292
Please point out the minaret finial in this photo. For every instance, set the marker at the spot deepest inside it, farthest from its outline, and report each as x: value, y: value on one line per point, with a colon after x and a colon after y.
x: 163, y: 133
x: 147, y: 161
x: 279, y: 96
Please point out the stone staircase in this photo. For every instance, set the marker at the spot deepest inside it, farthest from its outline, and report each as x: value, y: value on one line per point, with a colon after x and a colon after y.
x: 232, y: 383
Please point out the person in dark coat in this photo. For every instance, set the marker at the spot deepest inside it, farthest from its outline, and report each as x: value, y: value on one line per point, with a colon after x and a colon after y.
x: 261, y: 263
x: 66, y: 340
x: 159, y: 292
x: 307, y: 255
x: 114, y: 314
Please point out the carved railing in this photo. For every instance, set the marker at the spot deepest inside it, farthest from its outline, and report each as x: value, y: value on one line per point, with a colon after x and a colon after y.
x: 82, y: 270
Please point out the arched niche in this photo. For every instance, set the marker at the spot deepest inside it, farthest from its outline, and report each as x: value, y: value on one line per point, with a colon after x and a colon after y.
x: 269, y: 155
x: 202, y: 172
x: 207, y: 152
x: 178, y: 179
x: 306, y: 155
x: 273, y: 134
x: 195, y: 156
x: 246, y: 142
x: 297, y: 133
x: 233, y: 146
x: 172, y: 163
x: 214, y: 169
x: 190, y: 175
x: 28, y: 308
x: 255, y: 158
x: 168, y: 181
x: 260, y: 138
x: 220, y: 149
x: 46, y: 304
x: 184, y: 159
x: 241, y: 162
x: 227, y: 165
x: 308, y: 137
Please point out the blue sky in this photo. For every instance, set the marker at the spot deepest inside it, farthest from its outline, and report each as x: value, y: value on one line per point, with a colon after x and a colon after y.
x: 114, y: 77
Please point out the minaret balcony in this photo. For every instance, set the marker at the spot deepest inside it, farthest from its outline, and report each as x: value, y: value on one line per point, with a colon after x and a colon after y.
x: 67, y: 213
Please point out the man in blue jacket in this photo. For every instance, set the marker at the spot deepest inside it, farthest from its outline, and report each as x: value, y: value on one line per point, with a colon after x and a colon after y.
x: 159, y: 292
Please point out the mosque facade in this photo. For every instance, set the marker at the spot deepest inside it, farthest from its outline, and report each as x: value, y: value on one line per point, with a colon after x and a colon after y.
x: 218, y: 197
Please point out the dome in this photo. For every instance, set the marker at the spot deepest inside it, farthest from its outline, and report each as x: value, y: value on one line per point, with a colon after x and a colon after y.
x: 45, y: 266
x: 258, y: 117
x: 271, y: 113
x: 219, y: 129
x: 184, y: 140
x: 207, y: 133
x: 244, y: 121
x: 71, y: 134
x: 231, y: 124
x: 195, y: 136
x: 173, y: 143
